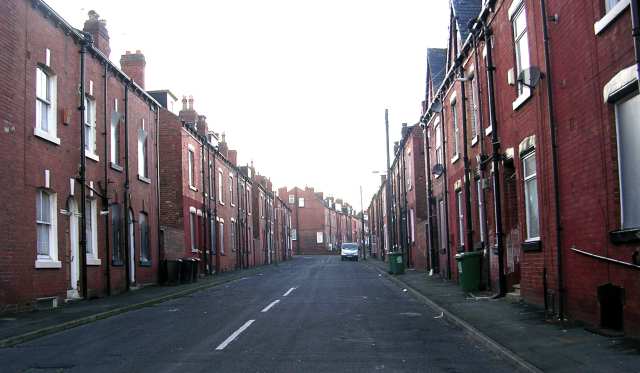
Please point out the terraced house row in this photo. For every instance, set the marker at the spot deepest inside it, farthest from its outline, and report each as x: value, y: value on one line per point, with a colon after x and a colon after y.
x: 104, y: 181
x: 530, y: 144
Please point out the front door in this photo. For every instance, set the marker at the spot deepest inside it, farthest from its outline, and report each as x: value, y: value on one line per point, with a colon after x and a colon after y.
x: 74, y: 239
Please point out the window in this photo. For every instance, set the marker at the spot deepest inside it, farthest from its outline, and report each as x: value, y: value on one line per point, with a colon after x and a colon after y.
x: 45, y: 105
x: 249, y: 201
x: 292, y: 199
x: 475, y: 127
x: 442, y: 225
x: 531, y: 196
x: 456, y: 130
x: 211, y: 189
x: 192, y: 229
x: 300, y: 202
x: 481, y: 210
x: 412, y: 223
x: 115, y: 136
x: 145, y: 253
x: 142, y: 152
x: 439, y: 151
x: 408, y: 172
x: 294, y: 234
x: 319, y: 237
x: 521, y: 45
x: 213, y: 241
x: 221, y: 236
x: 233, y: 235
x: 92, y: 232
x: 609, y: 4
x: 231, y: 196
x: 90, y: 127
x: 192, y: 176
x: 47, y: 232
x: 460, y: 218
x: 116, y: 228
x: 220, y: 187
x: 627, y: 119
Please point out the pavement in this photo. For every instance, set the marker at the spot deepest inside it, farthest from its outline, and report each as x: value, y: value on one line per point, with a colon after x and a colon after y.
x: 518, y: 331
x: 311, y: 314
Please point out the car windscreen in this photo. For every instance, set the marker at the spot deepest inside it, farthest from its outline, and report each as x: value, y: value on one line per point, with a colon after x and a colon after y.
x: 349, y: 247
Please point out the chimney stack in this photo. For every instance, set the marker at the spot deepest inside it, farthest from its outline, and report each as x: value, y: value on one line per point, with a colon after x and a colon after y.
x: 98, y: 29
x: 133, y: 65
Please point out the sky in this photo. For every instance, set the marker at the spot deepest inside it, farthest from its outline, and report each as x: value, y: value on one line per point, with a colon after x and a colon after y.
x: 299, y: 87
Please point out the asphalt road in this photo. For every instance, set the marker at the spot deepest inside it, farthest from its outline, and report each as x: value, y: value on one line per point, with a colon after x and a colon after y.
x: 313, y: 314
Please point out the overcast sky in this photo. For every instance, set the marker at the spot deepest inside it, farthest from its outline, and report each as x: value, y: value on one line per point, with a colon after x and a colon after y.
x: 298, y: 86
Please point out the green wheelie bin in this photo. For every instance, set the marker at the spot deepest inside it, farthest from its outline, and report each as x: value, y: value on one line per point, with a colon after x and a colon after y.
x: 396, y: 263
x: 469, y: 268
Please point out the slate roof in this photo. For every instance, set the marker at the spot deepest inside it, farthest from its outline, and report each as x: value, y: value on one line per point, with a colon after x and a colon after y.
x: 465, y: 10
x: 437, y: 65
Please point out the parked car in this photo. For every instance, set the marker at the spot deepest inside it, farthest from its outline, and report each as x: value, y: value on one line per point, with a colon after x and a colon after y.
x: 349, y: 251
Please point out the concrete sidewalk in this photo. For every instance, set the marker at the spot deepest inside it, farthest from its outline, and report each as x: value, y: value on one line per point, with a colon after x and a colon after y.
x: 519, y: 331
x: 21, y: 327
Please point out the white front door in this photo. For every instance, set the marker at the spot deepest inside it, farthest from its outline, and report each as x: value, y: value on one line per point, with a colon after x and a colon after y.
x: 132, y: 250
x: 74, y: 238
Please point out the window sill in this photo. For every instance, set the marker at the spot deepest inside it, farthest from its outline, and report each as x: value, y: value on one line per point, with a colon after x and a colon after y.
x: 488, y: 131
x: 145, y: 263
x: 44, y: 263
x: 624, y: 236
x: 474, y: 141
x: 93, y: 156
x: 524, y: 96
x: 115, y: 166
x: 93, y: 261
x: 611, y: 16
x: 531, y: 246
x: 144, y: 179
x: 46, y: 136
x: 455, y: 158
x: 193, y: 188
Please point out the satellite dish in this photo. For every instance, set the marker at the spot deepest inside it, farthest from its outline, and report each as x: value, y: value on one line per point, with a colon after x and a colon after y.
x: 438, y: 169
x: 436, y: 106
x: 530, y: 77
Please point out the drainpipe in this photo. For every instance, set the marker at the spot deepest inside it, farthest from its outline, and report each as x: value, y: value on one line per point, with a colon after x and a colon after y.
x: 215, y: 212
x: 495, y: 158
x: 465, y: 160
x: 127, y: 264
x: 430, y: 249
x: 105, y: 188
x: 205, y: 213
x: 84, y: 43
x: 388, y: 197
x: 480, y: 134
x: 158, y: 233
x: 297, y: 223
x: 446, y: 191
x: 554, y: 153
x: 405, y: 214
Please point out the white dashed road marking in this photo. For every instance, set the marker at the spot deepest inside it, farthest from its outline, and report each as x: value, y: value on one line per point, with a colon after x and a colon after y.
x: 235, y: 335
x: 289, y: 292
x: 267, y: 308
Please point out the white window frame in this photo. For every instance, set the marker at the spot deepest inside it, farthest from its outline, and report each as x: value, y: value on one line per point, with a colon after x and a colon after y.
x: 611, y: 14
x: 475, y: 122
x: 438, y: 145
x: 51, y: 259
x: 460, y: 211
x: 143, y: 161
x: 191, y: 159
x: 412, y: 222
x: 528, y: 179
x: 93, y: 259
x: 220, y: 186
x: 520, y: 40
x: 221, y: 235
x: 300, y: 201
x: 114, y: 146
x: 294, y: 234
x: 456, y: 132
x: 90, y: 149
x: 292, y: 199
x: 231, y: 191
x: 622, y: 165
x: 481, y: 215
x: 192, y: 228
x: 49, y: 103
x: 319, y: 237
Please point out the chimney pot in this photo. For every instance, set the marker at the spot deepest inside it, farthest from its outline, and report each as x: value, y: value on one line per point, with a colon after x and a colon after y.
x: 97, y: 28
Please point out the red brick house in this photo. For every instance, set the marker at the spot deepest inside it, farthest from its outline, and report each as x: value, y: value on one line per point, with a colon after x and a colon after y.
x: 553, y: 156
x: 42, y: 118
